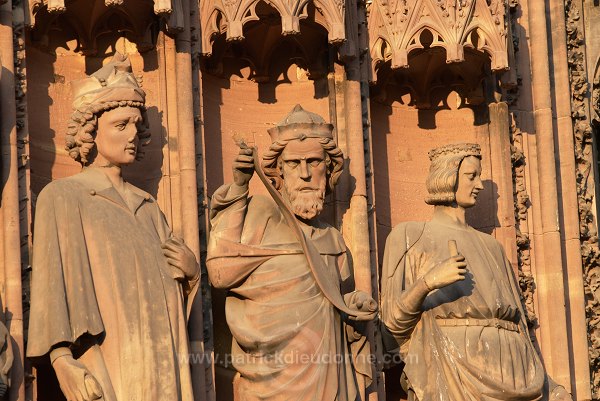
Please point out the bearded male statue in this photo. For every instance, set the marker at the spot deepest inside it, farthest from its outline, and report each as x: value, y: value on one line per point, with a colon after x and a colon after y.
x: 451, y: 302
x: 110, y: 282
x: 295, y: 321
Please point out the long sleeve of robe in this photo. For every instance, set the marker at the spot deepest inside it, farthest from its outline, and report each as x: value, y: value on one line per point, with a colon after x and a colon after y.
x: 102, y: 286
x: 289, y: 342
x: 470, y: 343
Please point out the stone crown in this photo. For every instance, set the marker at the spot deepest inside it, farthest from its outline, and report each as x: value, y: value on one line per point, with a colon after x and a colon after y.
x: 463, y: 149
x: 300, y: 124
x: 113, y: 82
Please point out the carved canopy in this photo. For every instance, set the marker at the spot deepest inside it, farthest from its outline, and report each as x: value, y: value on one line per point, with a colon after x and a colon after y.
x: 171, y: 10
x: 230, y: 16
x: 92, y: 18
x: 396, y: 28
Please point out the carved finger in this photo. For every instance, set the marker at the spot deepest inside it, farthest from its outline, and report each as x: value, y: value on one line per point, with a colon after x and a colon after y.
x: 244, y: 159
x: 93, y: 388
x: 452, y: 248
x: 171, y: 247
x: 170, y: 254
x: 174, y: 262
x: 79, y: 396
x: 174, y: 243
x: 243, y: 165
x: 178, y: 240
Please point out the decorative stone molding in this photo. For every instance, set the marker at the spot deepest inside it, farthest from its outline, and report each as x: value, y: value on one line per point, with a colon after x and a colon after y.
x: 396, y: 28
x: 170, y: 10
x: 91, y: 18
x: 521, y: 201
x: 20, y: 79
x: 596, y: 94
x: 230, y: 16
x: 582, y: 129
x: 265, y: 55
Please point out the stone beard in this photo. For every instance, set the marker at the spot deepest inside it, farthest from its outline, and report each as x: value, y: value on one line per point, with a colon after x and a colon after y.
x: 306, y: 203
x: 290, y: 343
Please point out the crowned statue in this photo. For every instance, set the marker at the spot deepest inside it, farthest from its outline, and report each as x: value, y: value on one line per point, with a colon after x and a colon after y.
x: 451, y: 302
x: 296, y: 321
x: 110, y: 282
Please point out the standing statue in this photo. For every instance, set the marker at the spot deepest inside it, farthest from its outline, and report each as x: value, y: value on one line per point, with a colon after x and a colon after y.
x: 109, y: 280
x: 296, y: 322
x: 451, y: 301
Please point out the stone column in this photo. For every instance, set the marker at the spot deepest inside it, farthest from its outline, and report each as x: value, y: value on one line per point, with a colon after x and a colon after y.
x: 12, y: 295
x: 550, y: 277
x: 570, y: 236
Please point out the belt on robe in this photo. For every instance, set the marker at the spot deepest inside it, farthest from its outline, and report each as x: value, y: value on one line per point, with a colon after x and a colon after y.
x: 495, y: 322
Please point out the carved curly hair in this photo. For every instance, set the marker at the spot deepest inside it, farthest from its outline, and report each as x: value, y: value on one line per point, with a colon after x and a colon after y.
x: 81, y: 130
x: 334, y: 159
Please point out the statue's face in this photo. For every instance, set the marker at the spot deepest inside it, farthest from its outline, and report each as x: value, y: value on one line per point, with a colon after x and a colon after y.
x: 304, y: 176
x: 469, y: 182
x: 117, y: 138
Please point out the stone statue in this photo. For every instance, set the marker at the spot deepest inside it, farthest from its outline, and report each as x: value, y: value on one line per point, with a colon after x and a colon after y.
x: 296, y: 322
x: 110, y: 281
x: 451, y: 302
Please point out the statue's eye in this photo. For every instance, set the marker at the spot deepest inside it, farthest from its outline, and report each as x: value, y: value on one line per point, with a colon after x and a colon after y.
x: 314, y: 162
x: 120, y: 126
x: 292, y: 163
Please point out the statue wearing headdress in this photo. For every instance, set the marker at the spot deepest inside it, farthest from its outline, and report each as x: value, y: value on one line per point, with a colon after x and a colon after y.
x: 291, y: 308
x: 450, y: 300
x: 109, y: 280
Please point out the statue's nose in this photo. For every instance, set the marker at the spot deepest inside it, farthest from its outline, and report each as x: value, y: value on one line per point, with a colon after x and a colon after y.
x: 304, y: 170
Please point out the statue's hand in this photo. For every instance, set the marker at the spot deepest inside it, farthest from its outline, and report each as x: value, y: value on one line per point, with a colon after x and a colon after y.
x: 447, y: 272
x: 559, y: 393
x: 181, y: 257
x: 243, y: 167
x: 76, y: 382
x: 361, y: 301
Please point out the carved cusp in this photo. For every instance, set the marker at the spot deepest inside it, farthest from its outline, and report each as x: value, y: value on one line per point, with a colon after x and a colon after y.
x: 235, y: 31
x: 290, y: 25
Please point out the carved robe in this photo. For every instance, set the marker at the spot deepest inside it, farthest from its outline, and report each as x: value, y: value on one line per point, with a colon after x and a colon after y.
x: 471, y: 342
x: 101, y: 285
x: 289, y: 342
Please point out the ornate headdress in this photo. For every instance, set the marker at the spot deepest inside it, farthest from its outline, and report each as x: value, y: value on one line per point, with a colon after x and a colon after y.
x: 300, y: 124
x: 111, y: 86
x: 114, y: 82
x: 456, y: 149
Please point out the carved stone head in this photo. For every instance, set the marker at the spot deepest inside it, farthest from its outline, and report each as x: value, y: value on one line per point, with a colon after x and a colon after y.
x: 109, y: 88
x: 442, y: 182
x: 303, y: 161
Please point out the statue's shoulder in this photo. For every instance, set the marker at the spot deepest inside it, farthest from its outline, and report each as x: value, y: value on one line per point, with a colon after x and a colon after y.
x: 489, y: 240
x: 68, y: 187
x: 407, y: 229
x: 264, y: 206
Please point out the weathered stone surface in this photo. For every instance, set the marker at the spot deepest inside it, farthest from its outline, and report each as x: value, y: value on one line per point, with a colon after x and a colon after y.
x: 110, y: 281
x: 277, y: 256
x: 451, y: 301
